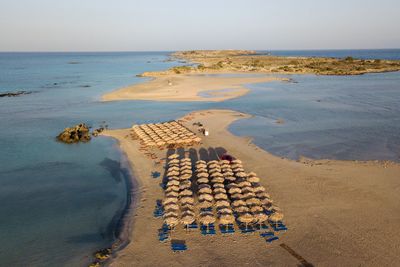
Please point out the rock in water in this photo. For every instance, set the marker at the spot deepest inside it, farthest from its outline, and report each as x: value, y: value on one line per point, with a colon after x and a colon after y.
x: 75, y: 134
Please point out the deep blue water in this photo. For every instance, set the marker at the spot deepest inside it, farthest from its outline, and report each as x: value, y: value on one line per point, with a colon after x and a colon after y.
x: 62, y: 202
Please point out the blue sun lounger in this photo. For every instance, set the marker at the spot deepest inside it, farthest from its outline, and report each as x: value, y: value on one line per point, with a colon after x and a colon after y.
x: 227, y: 229
x: 178, y: 247
x: 267, y: 234
x: 192, y: 226
x: 270, y: 239
x: 208, y: 230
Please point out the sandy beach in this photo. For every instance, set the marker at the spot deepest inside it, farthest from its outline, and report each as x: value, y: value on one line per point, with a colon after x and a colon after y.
x: 337, y: 212
x: 188, y: 87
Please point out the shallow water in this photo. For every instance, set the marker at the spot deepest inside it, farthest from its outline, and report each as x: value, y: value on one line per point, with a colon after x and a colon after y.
x: 62, y: 202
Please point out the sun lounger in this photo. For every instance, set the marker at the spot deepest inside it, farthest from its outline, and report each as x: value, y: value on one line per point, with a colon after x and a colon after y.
x: 270, y: 239
x: 177, y: 245
x: 267, y: 234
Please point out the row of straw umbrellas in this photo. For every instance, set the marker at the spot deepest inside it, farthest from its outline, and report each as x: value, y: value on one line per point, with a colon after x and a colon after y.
x: 168, y: 134
x: 178, y: 193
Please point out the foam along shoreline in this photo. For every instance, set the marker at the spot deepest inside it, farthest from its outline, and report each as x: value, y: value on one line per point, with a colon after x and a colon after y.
x: 189, y: 88
x: 337, y: 212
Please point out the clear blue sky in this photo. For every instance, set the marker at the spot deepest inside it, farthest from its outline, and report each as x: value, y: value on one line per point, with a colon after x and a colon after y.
x: 136, y: 25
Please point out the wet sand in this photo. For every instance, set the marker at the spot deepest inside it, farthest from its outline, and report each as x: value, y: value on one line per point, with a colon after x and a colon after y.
x: 337, y: 212
x: 187, y: 88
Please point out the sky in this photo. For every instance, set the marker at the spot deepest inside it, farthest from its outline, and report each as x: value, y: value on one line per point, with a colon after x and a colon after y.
x: 167, y: 25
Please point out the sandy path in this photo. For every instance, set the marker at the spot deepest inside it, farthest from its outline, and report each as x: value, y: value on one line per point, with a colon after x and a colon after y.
x: 339, y: 213
x: 187, y: 88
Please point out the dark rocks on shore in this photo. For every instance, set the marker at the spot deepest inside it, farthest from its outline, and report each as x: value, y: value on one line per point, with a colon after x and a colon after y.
x: 75, y: 134
x: 13, y: 94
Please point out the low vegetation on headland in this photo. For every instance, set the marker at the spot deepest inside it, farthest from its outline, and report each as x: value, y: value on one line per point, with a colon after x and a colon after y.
x: 218, y: 61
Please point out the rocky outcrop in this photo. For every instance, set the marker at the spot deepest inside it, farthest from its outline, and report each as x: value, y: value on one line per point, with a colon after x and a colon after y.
x: 16, y: 93
x: 75, y: 134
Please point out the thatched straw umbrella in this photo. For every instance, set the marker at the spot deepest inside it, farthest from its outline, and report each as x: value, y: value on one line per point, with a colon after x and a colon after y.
x: 276, y: 217
x: 200, y: 186
x: 188, y: 212
x: 253, y: 202
x: 215, y: 172
x: 230, y: 178
x: 206, y: 197
x: 187, y: 207
x: 219, y: 190
x: 217, y: 180
x: 241, y: 174
x: 259, y: 189
x: 205, y: 191
x: 214, y: 166
x: 172, y: 173
x: 185, y: 176
x: 236, y: 161
x: 171, y: 207
x: 187, y: 200
x: 173, y: 168
x: 253, y: 179
x: 185, y: 185
x: 201, y: 162
x: 233, y: 166
x: 260, y: 218
x: 248, y: 195
x: 187, y: 219
x: 236, y: 196
x: 172, y: 189
x: 222, y: 204
x: 171, y: 221
x: 173, y: 182
x: 212, y: 162
x: 202, y: 181
x: 225, y: 210
x: 241, y: 209
x: 171, y: 194
x: 170, y: 200
x: 218, y: 185
x: 226, y: 219
x: 247, y: 189
x: 207, y: 220
x: 244, y: 184
x: 202, y: 175
x: 173, y: 161
x: 234, y: 190
x: 205, y: 204
x: 186, y: 193
x: 238, y: 203
x: 263, y: 195
x: 186, y: 167
x: 224, y: 161
x: 252, y: 174
x: 186, y: 160
x: 171, y: 214
x: 221, y: 197
x: 246, y: 218
x: 256, y: 209
x: 173, y: 156
x: 232, y: 185
x: 173, y: 178
x: 228, y: 173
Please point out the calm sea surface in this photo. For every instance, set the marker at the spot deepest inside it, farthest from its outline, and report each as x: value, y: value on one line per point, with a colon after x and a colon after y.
x: 62, y: 202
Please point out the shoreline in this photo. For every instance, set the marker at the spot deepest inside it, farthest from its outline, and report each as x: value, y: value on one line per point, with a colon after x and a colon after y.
x: 120, y: 254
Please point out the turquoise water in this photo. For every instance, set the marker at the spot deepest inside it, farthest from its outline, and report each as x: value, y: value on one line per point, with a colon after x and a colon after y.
x: 62, y: 202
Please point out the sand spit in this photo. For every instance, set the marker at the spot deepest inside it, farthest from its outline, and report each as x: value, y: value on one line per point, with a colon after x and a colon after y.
x: 188, y: 88
x: 337, y: 212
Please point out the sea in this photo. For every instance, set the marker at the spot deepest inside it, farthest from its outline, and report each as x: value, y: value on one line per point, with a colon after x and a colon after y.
x: 60, y: 203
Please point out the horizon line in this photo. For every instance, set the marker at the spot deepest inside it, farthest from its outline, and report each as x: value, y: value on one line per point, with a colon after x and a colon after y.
x: 144, y: 51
